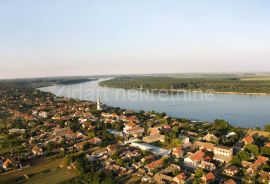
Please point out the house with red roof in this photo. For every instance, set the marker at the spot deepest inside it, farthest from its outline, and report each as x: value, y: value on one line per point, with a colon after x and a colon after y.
x: 209, y: 177
x: 257, y: 164
x: 248, y: 140
x: 7, y: 164
x: 230, y: 181
x: 267, y: 144
x: 194, y: 159
x: 155, y: 165
x: 180, y: 178
x: 178, y: 152
x: 95, y: 140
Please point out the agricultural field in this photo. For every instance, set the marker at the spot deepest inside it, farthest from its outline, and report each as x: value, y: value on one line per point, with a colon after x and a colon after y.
x: 52, y: 176
x: 45, y: 171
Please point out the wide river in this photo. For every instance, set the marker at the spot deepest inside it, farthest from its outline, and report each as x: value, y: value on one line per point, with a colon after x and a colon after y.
x: 239, y: 110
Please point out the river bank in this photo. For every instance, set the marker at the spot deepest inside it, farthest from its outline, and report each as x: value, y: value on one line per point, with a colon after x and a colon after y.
x: 240, y: 110
x: 189, y: 91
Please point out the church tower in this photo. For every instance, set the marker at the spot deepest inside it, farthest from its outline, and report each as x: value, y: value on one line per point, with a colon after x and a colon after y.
x: 98, y: 105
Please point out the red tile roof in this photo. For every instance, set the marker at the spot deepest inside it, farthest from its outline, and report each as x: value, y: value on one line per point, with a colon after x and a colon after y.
x: 248, y: 140
x: 197, y: 156
x: 181, y: 176
x: 177, y: 151
x: 260, y: 160
x: 230, y: 181
x: 210, y: 176
x: 155, y: 164
x: 7, y: 163
x: 95, y: 140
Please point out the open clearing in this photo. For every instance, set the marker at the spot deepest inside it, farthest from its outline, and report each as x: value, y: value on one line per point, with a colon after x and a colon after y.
x: 47, y: 172
x: 52, y: 176
x: 256, y: 79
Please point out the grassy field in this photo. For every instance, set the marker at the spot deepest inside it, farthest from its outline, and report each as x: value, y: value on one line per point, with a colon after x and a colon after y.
x: 256, y: 79
x: 52, y: 176
x: 130, y: 180
x: 13, y: 149
x: 3, y: 136
x: 45, y: 171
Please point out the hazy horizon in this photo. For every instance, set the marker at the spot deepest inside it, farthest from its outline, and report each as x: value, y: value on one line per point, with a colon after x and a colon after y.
x: 185, y: 74
x: 68, y: 38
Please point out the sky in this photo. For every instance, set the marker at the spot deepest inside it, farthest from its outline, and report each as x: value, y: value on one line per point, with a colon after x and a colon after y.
x: 43, y: 38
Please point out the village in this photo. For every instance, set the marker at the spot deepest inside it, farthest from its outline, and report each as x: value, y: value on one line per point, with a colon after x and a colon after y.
x: 122, y: 145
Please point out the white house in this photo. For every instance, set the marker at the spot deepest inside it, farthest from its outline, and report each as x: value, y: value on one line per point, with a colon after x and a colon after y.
x: 223, y: 154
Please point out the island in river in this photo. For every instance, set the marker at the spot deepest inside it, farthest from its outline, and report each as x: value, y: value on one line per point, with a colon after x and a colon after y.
x: 226, y: 84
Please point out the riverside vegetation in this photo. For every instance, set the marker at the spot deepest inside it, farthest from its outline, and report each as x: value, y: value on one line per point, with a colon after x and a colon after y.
x: 243, y: 84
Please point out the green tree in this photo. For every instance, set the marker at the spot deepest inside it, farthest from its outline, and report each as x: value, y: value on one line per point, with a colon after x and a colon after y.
x: 91, y: 134
x: 175, y: 130
x: 198, y: 172
x: 252, y: 148
x: 267, y: 128
x: 221, y: 125
x: 243, y: 155
x: 258, y: 128
x: 265, y: 151
x: 119, y: 161
x: 86, y: 146
x: 176, y: 142
x: 235, y: 160
x: 197, y: 181
x: 108, y: 180
x: 50, y: 146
